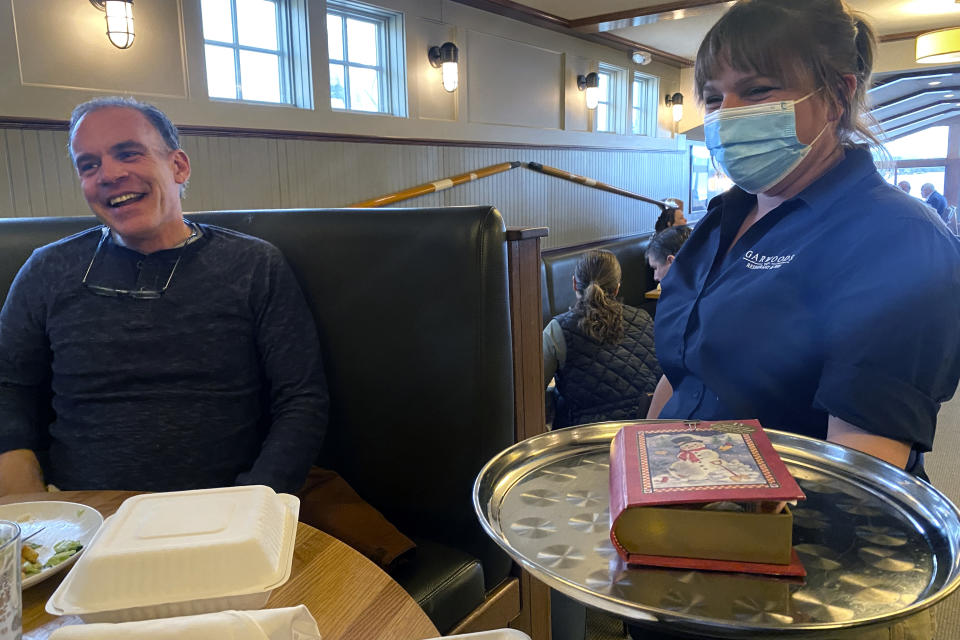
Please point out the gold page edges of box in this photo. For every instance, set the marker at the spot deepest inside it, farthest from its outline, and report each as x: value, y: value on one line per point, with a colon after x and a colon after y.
x: 699, y: 533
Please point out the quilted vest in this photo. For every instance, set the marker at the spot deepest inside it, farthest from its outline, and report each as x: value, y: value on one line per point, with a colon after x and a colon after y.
x: 600, y: 382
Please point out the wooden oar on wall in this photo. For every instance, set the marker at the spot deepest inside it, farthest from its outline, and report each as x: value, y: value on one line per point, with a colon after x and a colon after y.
x: 433, y: 187
x: 590, y: 182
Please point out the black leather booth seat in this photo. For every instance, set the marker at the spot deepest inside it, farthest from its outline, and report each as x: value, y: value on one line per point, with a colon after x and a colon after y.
x: 557, y: 267
x: 412, y: 311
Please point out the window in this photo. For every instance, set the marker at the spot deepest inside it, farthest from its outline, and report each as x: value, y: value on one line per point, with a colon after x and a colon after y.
x: 366, y: 53
x: 926, y: 143
x: 604, y: 106
x: 918, y: 158
x: 706, y: 180
x: 250, y: 51
x: 916, y: 177
x: 643, y: 104
x: 612, y: 98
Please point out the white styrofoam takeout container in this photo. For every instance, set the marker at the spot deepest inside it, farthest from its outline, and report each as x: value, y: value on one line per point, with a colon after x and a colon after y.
x: 183, y: 553
x: 495, y: 634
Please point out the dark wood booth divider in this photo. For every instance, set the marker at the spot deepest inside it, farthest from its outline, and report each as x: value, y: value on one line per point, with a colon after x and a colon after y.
x: 430, y: 325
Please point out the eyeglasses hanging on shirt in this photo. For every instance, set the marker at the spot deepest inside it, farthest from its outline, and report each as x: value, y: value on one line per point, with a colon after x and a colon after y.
x: 139, y: 294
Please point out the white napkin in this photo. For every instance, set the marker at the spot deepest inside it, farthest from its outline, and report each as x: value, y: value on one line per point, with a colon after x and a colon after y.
x: 292, y: 623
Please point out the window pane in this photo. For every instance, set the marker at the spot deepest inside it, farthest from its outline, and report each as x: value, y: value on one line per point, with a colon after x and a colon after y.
x: 636, y: 121
x: 362, y: 42
x: 335, y: 36
x: 928, y: 143
x: 221, y: 73
x: 605, y: 87
x: 338, y: 91
x: 919, y: 176
x: 364, y: 89
x: 216, y: 20
x: 637, y: 91
x: 260, y: 76
x: 257, y: 24
x: 602, y: 124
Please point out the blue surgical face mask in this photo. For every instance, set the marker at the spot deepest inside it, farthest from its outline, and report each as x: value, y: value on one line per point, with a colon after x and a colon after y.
x: 757, y: 145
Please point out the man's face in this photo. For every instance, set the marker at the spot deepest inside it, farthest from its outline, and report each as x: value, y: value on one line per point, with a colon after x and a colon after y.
x: 129, y: 176
x: 925, y: 191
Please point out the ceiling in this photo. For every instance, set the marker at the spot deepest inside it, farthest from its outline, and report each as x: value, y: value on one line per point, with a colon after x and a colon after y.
x: 903, y: 101
x: 680, y: 30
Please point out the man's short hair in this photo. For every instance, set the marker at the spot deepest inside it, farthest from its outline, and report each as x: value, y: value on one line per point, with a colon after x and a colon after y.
x: 164, y: 126
x: 927, y: 186
x: 904, y: 186
x: 159, y: 120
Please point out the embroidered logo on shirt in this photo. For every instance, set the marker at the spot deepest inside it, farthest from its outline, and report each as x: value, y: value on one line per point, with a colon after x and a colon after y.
x: 755, y: 260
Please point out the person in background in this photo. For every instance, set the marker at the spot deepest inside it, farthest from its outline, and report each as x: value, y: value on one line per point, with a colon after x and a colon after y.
x: 904, y: 186
x: 601, y: 351
x: 930, y: 195
x: 663, y: 248
x: 747, y: 327
x: 661, y: 252
x: 670, y: 217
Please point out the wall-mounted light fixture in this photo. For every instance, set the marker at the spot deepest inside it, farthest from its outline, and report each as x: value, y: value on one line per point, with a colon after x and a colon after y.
x: 446, y: 57
x: 675, y: 100
x: 939, y: 47
x: 119, y: 21
x: 590, y: 83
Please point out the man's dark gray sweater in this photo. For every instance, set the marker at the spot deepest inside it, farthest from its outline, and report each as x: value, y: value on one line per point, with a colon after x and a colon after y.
x: 217, y: 382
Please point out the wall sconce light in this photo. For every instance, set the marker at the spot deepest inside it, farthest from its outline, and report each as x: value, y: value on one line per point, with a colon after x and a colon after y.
x: 119, y: 21
x: 446, y: 57
x: 590, y: 83
x: 677, y: 101
x: 939, y: 47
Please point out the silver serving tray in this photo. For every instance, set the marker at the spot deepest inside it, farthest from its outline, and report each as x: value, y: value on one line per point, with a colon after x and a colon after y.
x: 877, y: 543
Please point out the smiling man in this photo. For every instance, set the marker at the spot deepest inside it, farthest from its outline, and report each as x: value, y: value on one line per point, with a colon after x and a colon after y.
x: 180, y: 355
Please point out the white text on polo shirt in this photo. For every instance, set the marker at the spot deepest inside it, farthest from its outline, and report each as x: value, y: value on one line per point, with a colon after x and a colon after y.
x: 755, y: 260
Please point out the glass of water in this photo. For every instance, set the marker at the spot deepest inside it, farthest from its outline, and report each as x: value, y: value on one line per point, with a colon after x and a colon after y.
x: 11, y: 602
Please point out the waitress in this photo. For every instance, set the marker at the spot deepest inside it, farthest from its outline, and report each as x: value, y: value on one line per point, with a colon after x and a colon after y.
x: 813, y: 295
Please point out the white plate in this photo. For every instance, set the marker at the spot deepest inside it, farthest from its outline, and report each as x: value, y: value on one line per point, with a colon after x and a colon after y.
x: 61, y: 521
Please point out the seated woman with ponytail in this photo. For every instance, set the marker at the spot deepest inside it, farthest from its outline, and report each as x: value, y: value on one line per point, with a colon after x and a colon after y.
x: 601, y: 351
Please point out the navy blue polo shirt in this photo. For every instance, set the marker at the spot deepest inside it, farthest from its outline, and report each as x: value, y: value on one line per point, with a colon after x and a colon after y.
x: 844, y: 301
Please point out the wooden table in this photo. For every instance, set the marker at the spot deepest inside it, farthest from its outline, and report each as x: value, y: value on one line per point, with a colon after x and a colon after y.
x: 349, y: 595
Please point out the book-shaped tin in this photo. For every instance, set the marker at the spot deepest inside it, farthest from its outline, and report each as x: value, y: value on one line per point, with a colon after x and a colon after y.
x: 703, y: 495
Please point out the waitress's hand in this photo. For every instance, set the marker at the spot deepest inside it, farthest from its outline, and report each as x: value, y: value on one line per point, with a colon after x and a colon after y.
x: 661, y: 394
x: 893, y: 451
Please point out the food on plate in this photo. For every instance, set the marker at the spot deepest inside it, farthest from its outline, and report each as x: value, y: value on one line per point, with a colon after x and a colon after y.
x: 67, y: 545
x: 29, y: 552
x: 60, y: 556
x: 28, y: 569
x: 30, y: 556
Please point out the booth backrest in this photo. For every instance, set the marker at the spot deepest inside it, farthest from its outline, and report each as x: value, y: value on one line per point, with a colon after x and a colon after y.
x: 412, y: 310
x: 558, y: 265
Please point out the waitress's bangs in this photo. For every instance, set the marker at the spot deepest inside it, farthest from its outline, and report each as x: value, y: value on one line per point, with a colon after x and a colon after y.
x: 753, y: 39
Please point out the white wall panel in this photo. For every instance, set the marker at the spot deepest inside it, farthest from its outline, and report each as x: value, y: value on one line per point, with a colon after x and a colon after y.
x: 84, y: 58
x: 37, y: 179
x: 514, y: 83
